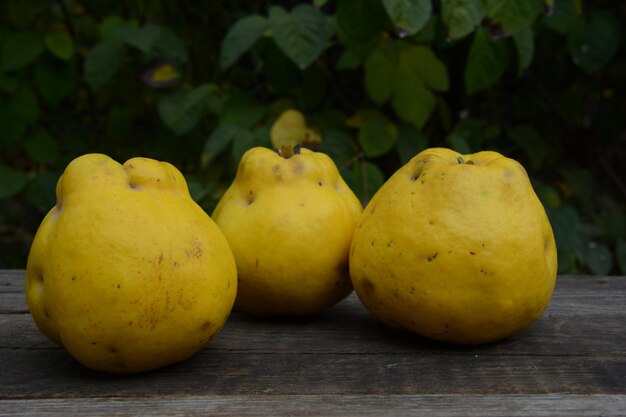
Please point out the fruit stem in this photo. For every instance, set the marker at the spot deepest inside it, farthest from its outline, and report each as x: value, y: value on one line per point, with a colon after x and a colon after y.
x: 289, y: 151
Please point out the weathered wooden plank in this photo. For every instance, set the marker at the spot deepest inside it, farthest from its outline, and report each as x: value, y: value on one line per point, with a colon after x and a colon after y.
x: 328, y: 405
x: 51, y: 373
x: 355, y: 331
x: 11, y: 280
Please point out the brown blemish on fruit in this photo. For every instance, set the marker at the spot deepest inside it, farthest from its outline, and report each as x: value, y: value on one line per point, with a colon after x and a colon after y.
x: 298, y: 168
x: 205, y: 326
x: 256, y: 265
x: 472, y: 253
x: 432, y: 257
x: 250, y: 198
x: 160, y: 258
x: 195, y: 250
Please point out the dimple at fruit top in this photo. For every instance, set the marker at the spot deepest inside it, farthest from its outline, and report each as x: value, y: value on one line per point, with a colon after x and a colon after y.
x: 289, y: 218
x: 455, y: 247
x: 126, y: 271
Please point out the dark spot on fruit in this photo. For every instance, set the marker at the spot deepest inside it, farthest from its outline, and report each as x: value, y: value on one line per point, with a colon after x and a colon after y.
x: 395, y: 294
x: 119, y: 286
x: 45, y: 312
x: 472, y: 253
x: 430, y: 222
x: 319, y: 183
x: 93, y: 343
x: 390, y: 243
x: 113, y: 350
x: 158, y: 179
x: 372, y: 242
x: 470, y: 162
x: 368, y: 286
x: 412, y: 290
x: 205, y: 326
x: 73, y: 278
x: 432, y: 257
x: 133, y: 186
x: 257, y: 263
x: 301, y: 204
x: 160, y: 258
x: 130, y: 323
x: 195, y: 250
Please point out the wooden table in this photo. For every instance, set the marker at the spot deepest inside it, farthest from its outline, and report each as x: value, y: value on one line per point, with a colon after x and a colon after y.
x: 342, y: 362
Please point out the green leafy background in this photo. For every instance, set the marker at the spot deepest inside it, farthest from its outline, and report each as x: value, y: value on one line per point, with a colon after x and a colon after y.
x: 198, y: 83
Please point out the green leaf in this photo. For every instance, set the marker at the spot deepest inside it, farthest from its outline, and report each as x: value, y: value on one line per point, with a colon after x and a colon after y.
x: 60, y: 45
x: 181, y: 111
x: 144, y: 38
x: 529, y: 139
x: 513, y: 15
x: 621, y: 255
x: 360, y: 19
x: 594, y: 44
x: 348, y: 61
x: 412, y: 102
x: 302, y: 34
x: 365, y: 180
x: 217, y: 142
x: 410, y: 142
x: 20, y: 49
x: 599, y: 258
x: 13, y: 124
x: 458, y: 143
x: 103, y: 62
x: 422, y: 62
x: 419, y: 70
x: 114, y: 28
x: 562, y: 16
x: 40, y: 192
x: 379, y: 74
x: 169, y: 46
x: 11, y: 182
x: 242, y: 141
x: 243, y: 110
x: 486, y: 63
x: 408, y: 16
x: 26, y: 104
x: 54, y: 82
x: 339, y: 146
x: 525, y: 45
x: 462, y: 16
x: 41, y: 147
x: 241, y: 36
x: 377, y: 137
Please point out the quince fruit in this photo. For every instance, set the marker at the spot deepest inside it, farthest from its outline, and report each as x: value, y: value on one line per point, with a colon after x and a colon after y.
x: 127, y: 272
x: 289, y: 218
x: 457, y: 248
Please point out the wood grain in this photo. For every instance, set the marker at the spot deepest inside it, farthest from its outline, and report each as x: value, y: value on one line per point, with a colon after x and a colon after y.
x: 572, y: 361
x: 327, y: 405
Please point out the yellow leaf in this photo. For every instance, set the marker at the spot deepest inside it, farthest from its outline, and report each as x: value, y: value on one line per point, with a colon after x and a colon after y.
x: 290, y: 129
x: 164, y: 73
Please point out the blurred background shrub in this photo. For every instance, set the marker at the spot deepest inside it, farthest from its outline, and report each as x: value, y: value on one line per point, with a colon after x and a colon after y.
x: 197, y: 83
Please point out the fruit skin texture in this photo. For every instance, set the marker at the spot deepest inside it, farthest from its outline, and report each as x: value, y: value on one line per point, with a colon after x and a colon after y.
x: 126, y: 271
x: 457, y: 250
x: 289, y: 222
